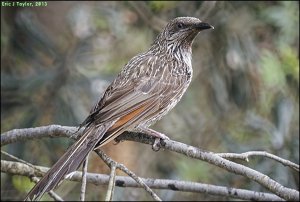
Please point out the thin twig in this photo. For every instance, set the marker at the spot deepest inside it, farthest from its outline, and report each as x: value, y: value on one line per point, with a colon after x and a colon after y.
x: 19, y: 160
x: 16, y: 168
x: 83, y: 183
x: 109, y: 161
x: 245, y: 155
x: 111, y: 183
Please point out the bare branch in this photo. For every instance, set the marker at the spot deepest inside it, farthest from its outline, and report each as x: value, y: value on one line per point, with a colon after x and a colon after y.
x: 264, y: 180
x: 212, y: 158
x: 123, y: 181
x: 246, y: 155
x: 17, y: 135
x: 193, y: 152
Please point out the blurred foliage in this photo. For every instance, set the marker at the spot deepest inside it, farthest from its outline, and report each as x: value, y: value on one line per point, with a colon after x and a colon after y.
x: 21, y: 183
x: 160, y: 6
x: 57, y: 60
x: 272, y: 71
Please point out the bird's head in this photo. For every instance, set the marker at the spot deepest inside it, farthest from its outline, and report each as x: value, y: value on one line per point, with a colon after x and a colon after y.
x: 181, y: 31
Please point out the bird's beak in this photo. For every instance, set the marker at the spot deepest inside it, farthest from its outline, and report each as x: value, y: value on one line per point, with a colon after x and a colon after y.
x: 202, y: 26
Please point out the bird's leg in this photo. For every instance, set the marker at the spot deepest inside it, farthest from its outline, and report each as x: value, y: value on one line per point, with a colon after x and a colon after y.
x: 157, y: 135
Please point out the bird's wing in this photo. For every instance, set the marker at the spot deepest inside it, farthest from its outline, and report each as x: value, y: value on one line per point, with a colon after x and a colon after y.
x: 137, y: 93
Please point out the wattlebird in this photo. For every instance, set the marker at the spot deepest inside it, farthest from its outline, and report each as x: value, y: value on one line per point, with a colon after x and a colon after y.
x: 146, y: 89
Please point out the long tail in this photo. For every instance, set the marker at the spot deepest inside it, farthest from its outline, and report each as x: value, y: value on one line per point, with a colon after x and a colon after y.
x: 70, y: 161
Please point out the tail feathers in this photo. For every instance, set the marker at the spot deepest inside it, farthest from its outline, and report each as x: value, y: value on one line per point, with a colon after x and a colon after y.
x: 70, y: 161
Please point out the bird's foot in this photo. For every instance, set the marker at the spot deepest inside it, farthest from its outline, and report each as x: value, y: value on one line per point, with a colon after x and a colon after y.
x: 158, y: 136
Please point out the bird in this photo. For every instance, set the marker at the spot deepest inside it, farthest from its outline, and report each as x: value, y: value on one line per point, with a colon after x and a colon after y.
x: 145, y: 90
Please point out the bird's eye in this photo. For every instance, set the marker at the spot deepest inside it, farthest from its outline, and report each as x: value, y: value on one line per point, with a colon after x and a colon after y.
x: 180, y: 25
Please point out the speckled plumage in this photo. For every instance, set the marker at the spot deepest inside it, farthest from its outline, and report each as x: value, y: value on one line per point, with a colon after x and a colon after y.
x: 147, y: 88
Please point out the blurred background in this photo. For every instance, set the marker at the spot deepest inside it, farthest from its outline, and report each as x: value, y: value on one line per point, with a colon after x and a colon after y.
x: 57, y: 60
